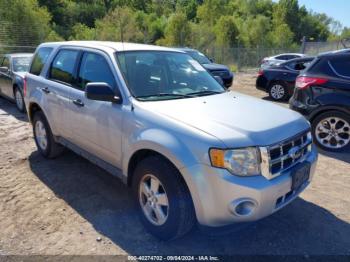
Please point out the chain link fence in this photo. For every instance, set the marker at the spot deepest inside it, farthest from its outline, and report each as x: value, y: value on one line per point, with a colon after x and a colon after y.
x: 314, y: 48
x: 240, y: 58
x: 6, y: 49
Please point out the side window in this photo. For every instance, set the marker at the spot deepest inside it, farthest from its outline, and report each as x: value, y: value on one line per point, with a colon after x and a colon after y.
x: 281, y: 57
x: 62, y: 68
x: 341, y: 66
x: 40, y: 60
x: 94, y: 68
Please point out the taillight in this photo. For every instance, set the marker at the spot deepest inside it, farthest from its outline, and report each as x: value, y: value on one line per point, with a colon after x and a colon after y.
x: 261, y: 72
x: 24, y: 86
x: 304, y: 82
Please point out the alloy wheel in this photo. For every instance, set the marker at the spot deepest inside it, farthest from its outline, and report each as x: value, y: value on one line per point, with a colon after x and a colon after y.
x: 19, y: 99
x: 277, y: 91
x: 40, y: 135
x: 153, y: 200
x: 333, y: 132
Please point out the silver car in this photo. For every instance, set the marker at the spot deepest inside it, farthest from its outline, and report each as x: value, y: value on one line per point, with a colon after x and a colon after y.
x: 153, y: 116
x: 279, y: 59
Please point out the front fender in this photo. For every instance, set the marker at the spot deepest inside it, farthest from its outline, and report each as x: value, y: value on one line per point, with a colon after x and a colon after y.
x: 161, y: 142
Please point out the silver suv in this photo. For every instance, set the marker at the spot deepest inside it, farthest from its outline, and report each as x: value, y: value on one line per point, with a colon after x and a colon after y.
x: 190, y: 150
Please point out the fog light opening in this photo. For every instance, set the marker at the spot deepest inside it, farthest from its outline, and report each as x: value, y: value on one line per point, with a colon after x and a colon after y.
x: 244, y: 208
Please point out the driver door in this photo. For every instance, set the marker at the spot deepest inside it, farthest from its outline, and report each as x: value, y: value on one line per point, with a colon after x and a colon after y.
x: 96, y: 125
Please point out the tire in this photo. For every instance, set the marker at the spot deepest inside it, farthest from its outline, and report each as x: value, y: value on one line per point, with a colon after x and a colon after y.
x: 331, y: 131
x: 278, y: 91
x: 19, y: 99
x: 179, y: 213
x: 43, y: 137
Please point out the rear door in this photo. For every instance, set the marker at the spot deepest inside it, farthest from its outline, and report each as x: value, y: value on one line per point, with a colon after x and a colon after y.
x: 97, y: 125
x: 61, y: 78
x: 6, y: 78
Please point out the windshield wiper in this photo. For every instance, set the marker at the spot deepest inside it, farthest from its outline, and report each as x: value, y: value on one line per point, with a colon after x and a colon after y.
x: 165, y: 94
x: 206, y: 92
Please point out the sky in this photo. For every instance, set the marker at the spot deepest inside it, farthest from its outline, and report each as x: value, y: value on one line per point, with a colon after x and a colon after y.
x: 338, y: 9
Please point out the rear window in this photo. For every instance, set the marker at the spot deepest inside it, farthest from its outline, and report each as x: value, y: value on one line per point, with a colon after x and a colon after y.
x: 341, y: 66
x: 320, y: 66
x: 62, y: 68
x: 39, y: 60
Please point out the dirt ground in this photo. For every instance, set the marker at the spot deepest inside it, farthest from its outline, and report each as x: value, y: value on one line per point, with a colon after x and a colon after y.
x: 70, y: 206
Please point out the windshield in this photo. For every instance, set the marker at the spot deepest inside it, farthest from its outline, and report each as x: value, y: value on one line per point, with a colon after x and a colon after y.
x: 159, y: 75
x: 21, y: 64
x: 198, y: 56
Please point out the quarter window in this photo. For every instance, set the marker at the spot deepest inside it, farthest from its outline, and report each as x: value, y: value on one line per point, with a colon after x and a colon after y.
x: 40, y: 60
x: 341, y: 65
x: 62, y: 68
x: 94, y: 68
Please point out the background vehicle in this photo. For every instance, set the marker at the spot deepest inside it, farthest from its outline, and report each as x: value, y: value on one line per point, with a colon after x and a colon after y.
x: 215, y: 69
x: 279, y: 80
x: 278, y: 59
x: 322, y: 94
x: 12, y: 70
x: 153, y: 116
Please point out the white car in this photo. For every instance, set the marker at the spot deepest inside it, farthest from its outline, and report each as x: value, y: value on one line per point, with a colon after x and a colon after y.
x: 278, y: 59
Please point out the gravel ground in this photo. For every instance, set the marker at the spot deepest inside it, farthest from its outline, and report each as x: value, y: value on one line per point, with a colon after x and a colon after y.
x: 70, y: 206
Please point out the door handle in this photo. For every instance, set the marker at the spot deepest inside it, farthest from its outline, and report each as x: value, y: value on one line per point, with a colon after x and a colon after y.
x: 78, y: 102
x: 46, y: 90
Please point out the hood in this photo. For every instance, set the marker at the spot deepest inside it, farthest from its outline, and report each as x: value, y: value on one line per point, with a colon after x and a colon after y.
x: 237, y: 120
x: 213, y: 67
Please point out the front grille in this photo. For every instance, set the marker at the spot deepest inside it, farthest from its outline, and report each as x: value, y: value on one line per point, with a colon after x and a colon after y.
x: 278, y: 158
x: 221, y: 73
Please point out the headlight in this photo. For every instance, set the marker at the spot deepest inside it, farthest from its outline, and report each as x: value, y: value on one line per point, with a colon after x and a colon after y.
x: 241, y: 162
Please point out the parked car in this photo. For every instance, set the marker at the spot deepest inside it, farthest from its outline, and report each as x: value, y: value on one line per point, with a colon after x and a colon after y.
x: 322, y: 94
x: 12, y: 70
x: 279, y: 81
x: 278, y: 59
x: 221, y: 71
x: 153, y: 116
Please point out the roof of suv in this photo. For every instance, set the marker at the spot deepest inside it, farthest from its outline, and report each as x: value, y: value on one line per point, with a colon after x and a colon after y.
x: 336, y: 52
x: 116, y: 46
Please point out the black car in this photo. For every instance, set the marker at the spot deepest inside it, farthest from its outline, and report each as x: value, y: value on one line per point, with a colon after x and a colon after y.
x: 12, y: 70
x: 215, y: 69
x: 322, y: 94
x: 279, y: 80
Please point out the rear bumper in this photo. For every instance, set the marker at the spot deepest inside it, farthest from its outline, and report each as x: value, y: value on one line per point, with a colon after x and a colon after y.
x: 300, y: 107
x: 216, y: 193
x: 262, y: 83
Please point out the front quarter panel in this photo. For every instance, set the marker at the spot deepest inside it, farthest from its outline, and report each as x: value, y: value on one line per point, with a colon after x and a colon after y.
x: 182, y: 145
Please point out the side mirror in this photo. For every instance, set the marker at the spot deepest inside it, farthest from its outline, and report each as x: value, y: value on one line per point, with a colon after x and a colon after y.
x: 4, y: 69
x: 219, y: 80
x: 100, y: 91
x: 211, y: 60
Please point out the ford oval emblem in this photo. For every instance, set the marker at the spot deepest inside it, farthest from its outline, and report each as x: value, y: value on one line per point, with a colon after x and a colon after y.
x: 295, y: 152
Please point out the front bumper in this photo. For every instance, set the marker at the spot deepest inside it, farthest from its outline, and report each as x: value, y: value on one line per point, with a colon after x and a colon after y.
x: 215, y: 192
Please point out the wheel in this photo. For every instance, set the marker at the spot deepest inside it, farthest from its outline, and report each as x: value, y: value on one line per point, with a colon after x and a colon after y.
x: 163, y: 201
x: 331, y: 131
x: 278, y: 91
x: 19, y: 99
x: 43, y: 137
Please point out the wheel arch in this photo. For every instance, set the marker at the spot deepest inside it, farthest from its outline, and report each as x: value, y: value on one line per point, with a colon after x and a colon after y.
x: 327, y: 109
x: 33, y: 107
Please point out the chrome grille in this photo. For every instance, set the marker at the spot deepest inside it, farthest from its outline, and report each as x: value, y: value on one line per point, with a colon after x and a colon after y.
x: 278, y: 158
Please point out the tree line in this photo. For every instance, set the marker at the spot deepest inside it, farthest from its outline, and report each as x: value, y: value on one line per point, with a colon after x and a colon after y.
x: 197, y: 23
